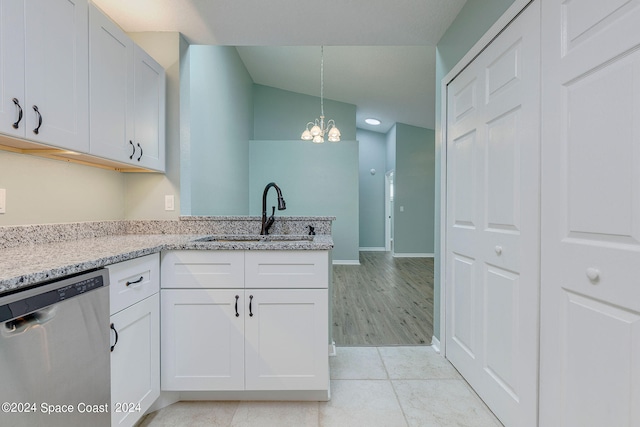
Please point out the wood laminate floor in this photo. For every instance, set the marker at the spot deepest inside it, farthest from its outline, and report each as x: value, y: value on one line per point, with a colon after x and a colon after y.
x: 383, y: 301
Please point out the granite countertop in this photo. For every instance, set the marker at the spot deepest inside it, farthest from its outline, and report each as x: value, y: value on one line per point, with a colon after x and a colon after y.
x: 25, y: 265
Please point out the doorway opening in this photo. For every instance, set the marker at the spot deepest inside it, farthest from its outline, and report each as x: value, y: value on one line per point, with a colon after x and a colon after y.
x: 388, y: 211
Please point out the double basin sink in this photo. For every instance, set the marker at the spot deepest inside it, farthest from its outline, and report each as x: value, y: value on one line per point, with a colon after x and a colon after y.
x: 257, y: 238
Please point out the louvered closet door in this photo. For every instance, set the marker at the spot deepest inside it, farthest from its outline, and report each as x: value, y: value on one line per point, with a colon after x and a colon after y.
x: 492, y: 256
x: 590, y: 329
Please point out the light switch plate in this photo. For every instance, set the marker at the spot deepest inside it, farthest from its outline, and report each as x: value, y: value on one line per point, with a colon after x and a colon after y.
x: 3, y: 200
x: 169, y: 202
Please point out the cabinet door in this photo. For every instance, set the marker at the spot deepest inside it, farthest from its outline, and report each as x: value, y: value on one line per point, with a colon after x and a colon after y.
x: 111, y: 89
x: 286, y: 334
x: 12, y: 67
x: 135, y: 360
x: 202, y: 339
x: 56, y: 73
x: 149, y: 111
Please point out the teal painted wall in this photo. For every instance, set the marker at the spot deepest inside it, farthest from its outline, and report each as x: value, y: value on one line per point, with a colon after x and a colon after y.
x: 185, y: 127
x: 475, y: 18
x: 220, y: 128
x: 316, y: 179
x: 372, y: 155
x: 281, y: 115
x: 391, y: 149
x: 414, y: 190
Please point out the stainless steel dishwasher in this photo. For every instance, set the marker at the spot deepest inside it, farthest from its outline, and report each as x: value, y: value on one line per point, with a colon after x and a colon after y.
x: 54, y: 353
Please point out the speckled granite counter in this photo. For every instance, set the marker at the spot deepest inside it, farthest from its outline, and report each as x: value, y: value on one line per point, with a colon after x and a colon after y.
x: 92, y: 245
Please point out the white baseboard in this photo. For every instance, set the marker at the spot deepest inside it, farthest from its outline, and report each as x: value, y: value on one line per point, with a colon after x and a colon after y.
x: 374, y: 249
x: 406, y: 255
x: 346, y: 262
x: 165, y: 399
x: 435, y: 343
x: 332, y: 349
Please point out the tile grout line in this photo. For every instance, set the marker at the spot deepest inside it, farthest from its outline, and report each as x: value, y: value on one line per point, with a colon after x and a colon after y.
x: 384, y: 365
x: 395, y: 393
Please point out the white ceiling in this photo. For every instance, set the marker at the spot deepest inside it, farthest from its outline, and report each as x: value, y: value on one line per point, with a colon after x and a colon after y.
x: 379, y: 54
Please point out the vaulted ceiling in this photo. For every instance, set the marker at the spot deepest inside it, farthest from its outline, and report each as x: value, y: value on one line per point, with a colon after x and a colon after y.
x: 379, y: 54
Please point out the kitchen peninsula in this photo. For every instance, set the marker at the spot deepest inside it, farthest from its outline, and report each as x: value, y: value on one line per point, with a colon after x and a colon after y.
x: 201, y: 308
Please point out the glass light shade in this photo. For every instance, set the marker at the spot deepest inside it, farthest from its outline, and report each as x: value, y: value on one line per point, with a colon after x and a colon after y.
x: 306, y: 135
x: 315, y: 130
x: 318, y: 139
x: 334, y: 134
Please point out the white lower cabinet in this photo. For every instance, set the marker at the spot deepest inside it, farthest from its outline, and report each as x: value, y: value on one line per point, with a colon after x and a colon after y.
x: 202, y: 340
x: 286, y: 339
x: 134, y: 361
x: 135, y: 338
x: 241, y: 338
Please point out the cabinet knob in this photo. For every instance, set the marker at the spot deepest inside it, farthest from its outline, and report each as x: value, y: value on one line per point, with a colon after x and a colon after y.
x: 593, y: 274
x: 498, y: 250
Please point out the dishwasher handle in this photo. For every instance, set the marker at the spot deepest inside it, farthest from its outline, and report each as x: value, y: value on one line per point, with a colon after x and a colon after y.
x: 20, y: 324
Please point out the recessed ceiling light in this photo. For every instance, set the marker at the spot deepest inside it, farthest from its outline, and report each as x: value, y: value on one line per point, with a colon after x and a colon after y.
x: 374, y: 122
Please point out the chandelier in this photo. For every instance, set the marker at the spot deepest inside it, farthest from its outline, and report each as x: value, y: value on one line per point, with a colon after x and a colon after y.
x: 316, y: 130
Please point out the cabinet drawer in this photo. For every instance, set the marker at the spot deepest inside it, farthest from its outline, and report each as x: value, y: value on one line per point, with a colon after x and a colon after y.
x: 286, y: 269
x: 132, y: 281
x: 203, y: 269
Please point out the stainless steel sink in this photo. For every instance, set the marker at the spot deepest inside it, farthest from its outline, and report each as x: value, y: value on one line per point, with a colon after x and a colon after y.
x: 256, y: 238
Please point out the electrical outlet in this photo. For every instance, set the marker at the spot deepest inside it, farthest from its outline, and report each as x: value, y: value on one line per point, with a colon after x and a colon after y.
x: 169, y: 202
x: 3, y: 200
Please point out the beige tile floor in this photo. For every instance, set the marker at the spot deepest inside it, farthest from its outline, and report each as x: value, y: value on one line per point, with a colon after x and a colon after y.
x: 370, y: 386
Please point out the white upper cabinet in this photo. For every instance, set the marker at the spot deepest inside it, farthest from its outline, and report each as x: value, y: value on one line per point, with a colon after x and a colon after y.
x: 111, y: 88
x: 127, y: 89
x: 56, y: 73
x: 12, y: 102
x: 43, y: 71
x: 149, y: 111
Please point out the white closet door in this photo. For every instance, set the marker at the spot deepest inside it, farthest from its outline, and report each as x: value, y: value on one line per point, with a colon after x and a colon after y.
x: 492, y: 256
x: 590, y: 329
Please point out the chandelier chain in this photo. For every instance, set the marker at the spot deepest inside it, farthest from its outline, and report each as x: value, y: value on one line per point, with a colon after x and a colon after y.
x: 322, y: 80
